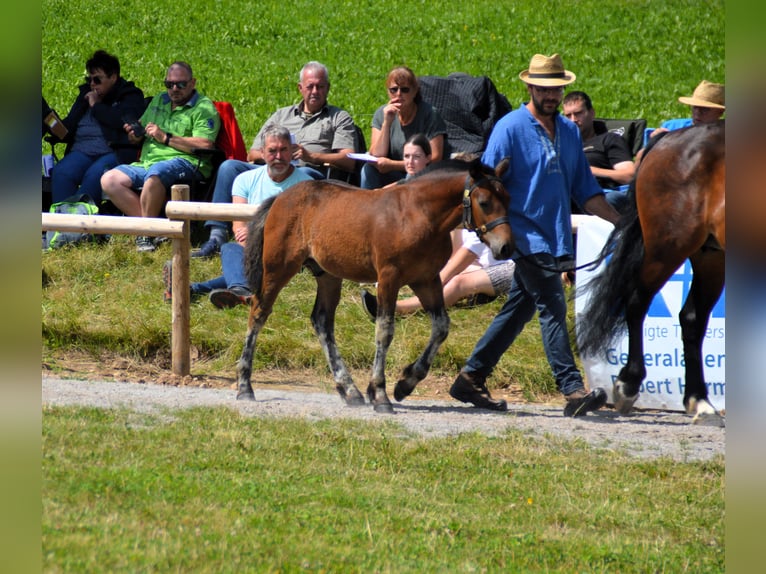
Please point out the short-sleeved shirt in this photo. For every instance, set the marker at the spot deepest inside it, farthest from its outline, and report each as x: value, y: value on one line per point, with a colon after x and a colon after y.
x: 677, y: 123
x: 475, y: 245
x: 427, y: 121
x: 329, y: 130
x: 196, y: 118
x: 543, y: 178
x: 256, y: 186
x: 605, y: 150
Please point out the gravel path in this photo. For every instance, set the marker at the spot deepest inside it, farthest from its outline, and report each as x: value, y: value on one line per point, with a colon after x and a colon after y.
x: 645, y: 434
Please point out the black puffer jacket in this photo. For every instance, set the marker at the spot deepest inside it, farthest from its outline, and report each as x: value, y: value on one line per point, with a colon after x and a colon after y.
x: 123, y: 102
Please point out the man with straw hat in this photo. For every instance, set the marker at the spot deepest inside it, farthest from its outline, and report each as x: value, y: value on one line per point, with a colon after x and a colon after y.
x: 708, y: 104
x: 548, y: 170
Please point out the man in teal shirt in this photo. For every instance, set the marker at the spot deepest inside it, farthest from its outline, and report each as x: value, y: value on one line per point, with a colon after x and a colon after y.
x: 175, y: 122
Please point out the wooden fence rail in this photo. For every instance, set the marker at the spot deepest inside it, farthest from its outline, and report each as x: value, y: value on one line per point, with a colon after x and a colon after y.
x: 179, y: 212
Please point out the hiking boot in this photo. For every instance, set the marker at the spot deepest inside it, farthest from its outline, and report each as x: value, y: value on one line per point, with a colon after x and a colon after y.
x: 208, y: 249
x: 472, y: 389
x: 167, y: 279
x: 228, y: 298
x: 581, y: 402
x: 370, y: 303
x: 144, y: 244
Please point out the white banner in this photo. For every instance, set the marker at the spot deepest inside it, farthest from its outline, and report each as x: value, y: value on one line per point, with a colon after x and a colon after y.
x: 663, y: 387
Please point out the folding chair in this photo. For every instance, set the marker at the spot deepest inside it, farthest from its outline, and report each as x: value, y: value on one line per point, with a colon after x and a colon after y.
x: 228, y: 145
x: 632, y: 131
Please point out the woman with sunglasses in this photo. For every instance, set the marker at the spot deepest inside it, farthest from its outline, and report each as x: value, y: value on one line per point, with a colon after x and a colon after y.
x: 405, y: 115
x: 96, y: 140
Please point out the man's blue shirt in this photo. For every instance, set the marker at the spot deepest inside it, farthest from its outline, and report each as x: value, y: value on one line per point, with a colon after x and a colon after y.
x: 543, y: 178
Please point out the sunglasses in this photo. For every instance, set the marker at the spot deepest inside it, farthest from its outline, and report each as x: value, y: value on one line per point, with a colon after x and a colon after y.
x: 94, y: 79
x: 180, y: 85
x: 402, y: 89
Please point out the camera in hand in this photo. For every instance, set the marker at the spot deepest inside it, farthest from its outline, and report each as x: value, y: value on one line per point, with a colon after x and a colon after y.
x: 138, y: 129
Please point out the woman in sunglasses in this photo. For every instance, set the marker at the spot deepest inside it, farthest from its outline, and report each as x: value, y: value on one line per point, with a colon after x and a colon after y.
x: 96, y: 140
x: 405, y: 115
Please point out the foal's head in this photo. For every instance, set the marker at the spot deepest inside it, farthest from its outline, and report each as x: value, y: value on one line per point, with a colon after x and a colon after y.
x: 485, y: 208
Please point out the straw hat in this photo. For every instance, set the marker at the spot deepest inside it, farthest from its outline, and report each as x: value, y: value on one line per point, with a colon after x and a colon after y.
x: 547, y: 72
x: 706, y: 95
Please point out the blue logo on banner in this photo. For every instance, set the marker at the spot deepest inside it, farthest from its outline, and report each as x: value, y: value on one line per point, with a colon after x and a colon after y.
x: 684, y: 275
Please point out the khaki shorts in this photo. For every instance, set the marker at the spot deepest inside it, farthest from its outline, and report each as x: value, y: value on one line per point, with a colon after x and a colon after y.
x: 501, y: 276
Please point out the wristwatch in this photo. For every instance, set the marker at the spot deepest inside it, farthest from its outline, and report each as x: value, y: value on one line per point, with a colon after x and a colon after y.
x: 168, y: 135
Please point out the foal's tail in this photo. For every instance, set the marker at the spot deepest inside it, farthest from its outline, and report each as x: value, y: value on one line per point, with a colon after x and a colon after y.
x: 609, y: 291
x: 254, y: 247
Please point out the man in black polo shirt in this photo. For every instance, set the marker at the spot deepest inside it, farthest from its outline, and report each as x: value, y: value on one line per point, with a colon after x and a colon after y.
x: 608, y: 155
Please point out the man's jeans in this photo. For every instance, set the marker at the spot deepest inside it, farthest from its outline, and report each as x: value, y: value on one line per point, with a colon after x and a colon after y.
x: 77, y: 170
x: 533, y: 289
x: 233, y: 265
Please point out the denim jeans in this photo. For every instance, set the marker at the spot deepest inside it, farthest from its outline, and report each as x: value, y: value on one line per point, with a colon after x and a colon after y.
x: 78, y: 170
x: 169, y: 171
x: 533, y: 289
x: 224, y: 181
x: 233, y: 266
x: 371, y: 178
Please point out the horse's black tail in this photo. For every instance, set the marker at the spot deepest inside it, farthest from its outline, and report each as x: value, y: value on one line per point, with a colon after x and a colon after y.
x: 254, y: 247
x: 604, y: 316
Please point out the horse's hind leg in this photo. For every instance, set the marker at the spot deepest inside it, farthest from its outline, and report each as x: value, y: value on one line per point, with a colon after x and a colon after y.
x: 626, y: 387
x: 706, y: 288
x: 415, y: 372
x: 323, y: 321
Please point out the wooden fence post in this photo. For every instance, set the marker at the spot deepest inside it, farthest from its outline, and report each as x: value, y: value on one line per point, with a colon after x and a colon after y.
x: 181, y: 322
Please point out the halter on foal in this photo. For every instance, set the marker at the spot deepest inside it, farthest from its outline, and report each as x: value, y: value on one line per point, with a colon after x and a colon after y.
x: 395, y: 236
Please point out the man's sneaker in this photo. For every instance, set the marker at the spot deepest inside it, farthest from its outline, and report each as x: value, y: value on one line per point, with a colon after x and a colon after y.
x: 207, y: 249
x: 144, y: 243
x: 167, y: 279
x: 370, y: 303
x: 581, y: 402
x: 228, y: 298
x: 472, y: 389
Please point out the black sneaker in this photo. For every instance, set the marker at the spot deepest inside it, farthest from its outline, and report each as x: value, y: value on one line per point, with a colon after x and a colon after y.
x: 167, y: 279
x: 472, y: 389
x: 144, y: 244
x: 208, y: 249
x: 228, y: 298
x: 580, y: 402
x: 370, y: 303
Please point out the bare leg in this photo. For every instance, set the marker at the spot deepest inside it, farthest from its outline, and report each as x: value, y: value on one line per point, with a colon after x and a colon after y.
x: 117, y: 187
x: 461, y: 285
x: 153, y: 197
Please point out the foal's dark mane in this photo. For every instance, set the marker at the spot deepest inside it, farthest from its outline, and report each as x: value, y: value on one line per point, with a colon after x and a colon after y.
x: 452, y: 165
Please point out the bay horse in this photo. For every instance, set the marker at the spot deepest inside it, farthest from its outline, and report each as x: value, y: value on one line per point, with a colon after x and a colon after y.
x: 677, y: 212
x: 394, y: 236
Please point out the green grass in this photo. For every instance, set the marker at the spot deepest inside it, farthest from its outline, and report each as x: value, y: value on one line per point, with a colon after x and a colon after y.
x: 218, y: 492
